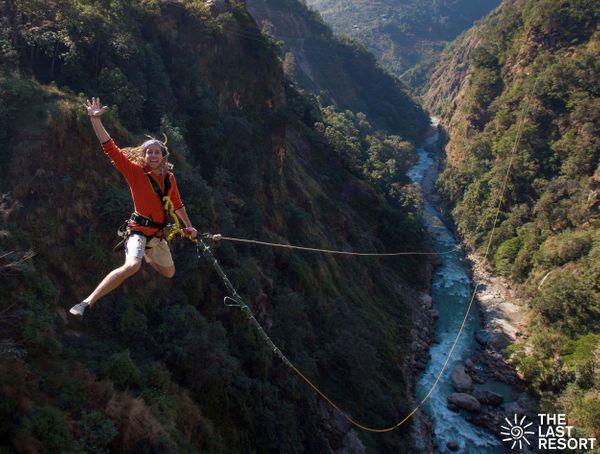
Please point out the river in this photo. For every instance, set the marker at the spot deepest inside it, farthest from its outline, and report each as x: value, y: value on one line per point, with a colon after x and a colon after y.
x: 451, y: 293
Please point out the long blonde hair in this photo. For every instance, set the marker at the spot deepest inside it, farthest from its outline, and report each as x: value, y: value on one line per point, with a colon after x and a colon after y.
x: 137, y: 154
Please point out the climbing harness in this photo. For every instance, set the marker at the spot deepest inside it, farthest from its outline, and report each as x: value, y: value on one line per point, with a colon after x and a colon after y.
x: 124, y: 230
x: 163, y: 196
x: 156, y: 188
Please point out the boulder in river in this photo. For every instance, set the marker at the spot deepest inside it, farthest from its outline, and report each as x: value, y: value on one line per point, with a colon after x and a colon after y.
x: 452, y: 446
x: 487, y: 397
x: 464, y: 401
x: 489, y: 418
x: 493, y: 338
x: 461, y: 381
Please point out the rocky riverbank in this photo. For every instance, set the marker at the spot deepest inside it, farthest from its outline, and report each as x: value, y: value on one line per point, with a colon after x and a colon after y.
x: 503, y: 321
x: 502, y: 317
x: 423, y: 335
x: 486, y: 388
x: 476, y: 381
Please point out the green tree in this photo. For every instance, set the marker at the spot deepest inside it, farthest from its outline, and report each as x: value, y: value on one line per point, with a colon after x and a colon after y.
x: 96, y: 432
x: 49, y: 425
x: 121, y: 369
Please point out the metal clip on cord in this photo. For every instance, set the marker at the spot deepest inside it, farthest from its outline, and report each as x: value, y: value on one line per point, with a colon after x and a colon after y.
x: 237, y: 299
x: 236, y: 302
x: 210, y: 236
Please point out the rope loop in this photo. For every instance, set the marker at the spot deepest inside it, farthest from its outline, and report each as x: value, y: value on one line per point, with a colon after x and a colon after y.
x: 244, y: 307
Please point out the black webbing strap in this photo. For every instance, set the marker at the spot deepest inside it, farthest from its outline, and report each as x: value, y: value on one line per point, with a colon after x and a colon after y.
x: 145, y: 222
x: 142, y: 220
x: 166, y: 183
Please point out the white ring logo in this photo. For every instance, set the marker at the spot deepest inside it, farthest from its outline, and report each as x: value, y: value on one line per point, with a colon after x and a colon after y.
x: 516, y: 432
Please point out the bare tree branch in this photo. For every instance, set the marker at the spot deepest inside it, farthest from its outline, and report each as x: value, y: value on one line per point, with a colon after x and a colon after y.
x: 16, y: 263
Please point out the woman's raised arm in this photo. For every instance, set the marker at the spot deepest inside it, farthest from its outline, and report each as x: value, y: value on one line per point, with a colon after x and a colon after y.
x: 95, y: 110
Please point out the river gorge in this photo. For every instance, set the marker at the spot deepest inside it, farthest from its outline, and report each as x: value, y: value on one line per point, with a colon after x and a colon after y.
x: 476, y: 389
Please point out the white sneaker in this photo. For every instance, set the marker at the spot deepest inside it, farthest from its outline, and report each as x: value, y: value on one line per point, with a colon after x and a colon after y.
x: 79, y: 309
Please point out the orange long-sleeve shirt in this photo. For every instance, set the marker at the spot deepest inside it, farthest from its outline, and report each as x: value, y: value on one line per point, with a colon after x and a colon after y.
x: 145, y: 200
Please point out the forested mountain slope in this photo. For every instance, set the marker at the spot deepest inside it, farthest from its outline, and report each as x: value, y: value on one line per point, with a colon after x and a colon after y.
x: 163, y: 366
x: 519, y: 98
x: 342, y: 72
x: 406, y: 36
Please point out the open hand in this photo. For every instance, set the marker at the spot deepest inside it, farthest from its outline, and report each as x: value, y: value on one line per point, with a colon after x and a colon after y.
x: 94, y: 108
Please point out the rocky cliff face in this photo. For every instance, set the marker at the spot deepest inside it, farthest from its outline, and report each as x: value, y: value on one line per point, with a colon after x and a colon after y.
x: 447, y: 88
x: 218, y: 54
x: 339, y: 71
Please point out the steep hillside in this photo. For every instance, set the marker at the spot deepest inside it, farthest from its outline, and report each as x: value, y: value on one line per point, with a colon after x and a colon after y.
x: 519, y: 98
x: 406, y: 36
x: 341, y: 72
x: 164, y: 366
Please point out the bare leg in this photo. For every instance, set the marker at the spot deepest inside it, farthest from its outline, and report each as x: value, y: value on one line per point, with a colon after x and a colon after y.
x: 166, y: 271
x: 114, y: 279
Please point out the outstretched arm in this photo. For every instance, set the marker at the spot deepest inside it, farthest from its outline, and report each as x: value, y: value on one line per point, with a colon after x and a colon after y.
x: 95, y: 110
x: 189, y: 229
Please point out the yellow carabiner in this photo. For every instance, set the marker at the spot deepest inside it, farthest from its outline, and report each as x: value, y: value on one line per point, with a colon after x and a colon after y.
x: 176, y: 230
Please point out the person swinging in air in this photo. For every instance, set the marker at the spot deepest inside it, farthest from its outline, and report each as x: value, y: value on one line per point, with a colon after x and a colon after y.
x: 147, y: 172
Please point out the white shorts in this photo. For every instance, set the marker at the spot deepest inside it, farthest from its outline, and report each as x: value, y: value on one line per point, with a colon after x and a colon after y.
x: 156, y: 250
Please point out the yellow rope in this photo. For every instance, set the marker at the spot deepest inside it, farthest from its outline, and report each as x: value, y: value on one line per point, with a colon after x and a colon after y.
x: 462, y: 326
x: 177, y: 230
